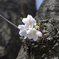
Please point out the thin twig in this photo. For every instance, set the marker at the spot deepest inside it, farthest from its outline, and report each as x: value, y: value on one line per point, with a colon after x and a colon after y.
x: 22, y: 9
x: 8, y: 21
x: 44, y: 38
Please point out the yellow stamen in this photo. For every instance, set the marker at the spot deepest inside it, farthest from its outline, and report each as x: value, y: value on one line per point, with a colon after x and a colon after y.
x: 34, y: 33
x: 27, y: 29
x: 23, y: 30
x: 30, y: 22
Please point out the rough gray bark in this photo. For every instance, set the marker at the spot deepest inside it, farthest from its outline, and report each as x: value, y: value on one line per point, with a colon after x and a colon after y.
x: 48, y: 14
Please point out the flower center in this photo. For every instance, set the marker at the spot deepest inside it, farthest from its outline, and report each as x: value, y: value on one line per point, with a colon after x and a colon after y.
x: 23, y: 30
x: 34, y: 33
x: 27, y: 29
x: 30, y: 22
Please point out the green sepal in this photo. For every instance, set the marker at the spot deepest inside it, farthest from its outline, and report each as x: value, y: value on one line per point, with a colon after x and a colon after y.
x: 36, y: 26
x: 39, y: 22
x: 21, y: 18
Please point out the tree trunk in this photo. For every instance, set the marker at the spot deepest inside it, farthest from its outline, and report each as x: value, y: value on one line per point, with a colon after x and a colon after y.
x: 48, y: 14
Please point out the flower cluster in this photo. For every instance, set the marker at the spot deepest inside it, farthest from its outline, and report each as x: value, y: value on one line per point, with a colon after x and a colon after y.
x: 28, y: 29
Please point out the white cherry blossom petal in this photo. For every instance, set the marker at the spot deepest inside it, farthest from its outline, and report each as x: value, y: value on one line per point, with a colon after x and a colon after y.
x: 30, y: 36
x: 23, y: 29
x: 35, y: 38
x: 39, y: 33
x: 30, y: 21
x: 20, y: 26
x: 25, y: 20
x: 22, y: 33
x: 34, y: 34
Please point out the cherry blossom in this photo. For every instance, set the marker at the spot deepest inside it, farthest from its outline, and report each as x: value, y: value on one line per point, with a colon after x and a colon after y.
x: 33, y: 34
x: 29, y: 21
x: 28, y: 29
x: 23, y: 30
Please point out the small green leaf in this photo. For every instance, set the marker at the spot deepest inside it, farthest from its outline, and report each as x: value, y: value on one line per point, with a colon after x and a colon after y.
x: 39, y: 22
x: 21, y: 18
x: 36, y: 26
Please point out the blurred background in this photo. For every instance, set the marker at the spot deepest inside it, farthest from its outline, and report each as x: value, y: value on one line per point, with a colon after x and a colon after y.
x: 38, y: 3
x: 10, y: 42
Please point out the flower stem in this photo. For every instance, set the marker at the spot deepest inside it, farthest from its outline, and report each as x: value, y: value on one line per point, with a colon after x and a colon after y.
x: 44, y: 38
x: 8, y: 21
x: 22, y: 9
